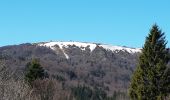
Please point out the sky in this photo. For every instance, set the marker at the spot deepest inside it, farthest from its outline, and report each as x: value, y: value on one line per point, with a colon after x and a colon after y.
x: 116, y: 22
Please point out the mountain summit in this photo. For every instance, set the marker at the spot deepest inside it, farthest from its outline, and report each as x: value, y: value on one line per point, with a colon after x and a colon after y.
x: 84, y: 45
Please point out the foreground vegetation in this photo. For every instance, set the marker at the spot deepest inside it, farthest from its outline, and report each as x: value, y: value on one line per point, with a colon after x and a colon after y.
x: 36, y: 84
x: 151, y: 80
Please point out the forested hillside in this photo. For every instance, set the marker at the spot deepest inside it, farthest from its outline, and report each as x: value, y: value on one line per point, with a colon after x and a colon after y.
x: 99, y: 74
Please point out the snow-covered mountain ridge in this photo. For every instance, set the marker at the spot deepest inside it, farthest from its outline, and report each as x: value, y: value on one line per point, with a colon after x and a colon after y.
x: 91, y: 46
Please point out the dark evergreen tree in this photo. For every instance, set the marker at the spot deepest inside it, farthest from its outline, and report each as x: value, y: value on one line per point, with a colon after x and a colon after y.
x: 87, y: 93
x: 150, y: 81
x: 34, y: 71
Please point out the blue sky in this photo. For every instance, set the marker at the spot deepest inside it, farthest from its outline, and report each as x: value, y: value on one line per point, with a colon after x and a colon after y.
x: 116, y: 22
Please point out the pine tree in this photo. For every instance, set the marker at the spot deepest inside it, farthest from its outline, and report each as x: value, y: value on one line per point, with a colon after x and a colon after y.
x: 151, y: 81
x: 34, y: 71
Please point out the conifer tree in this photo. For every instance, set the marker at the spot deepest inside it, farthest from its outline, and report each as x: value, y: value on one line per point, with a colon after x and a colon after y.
x: 34, y: 71
x: 151, y: 81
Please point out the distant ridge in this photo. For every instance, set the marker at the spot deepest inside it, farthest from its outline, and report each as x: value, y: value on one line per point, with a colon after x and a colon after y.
x: 92, y: 46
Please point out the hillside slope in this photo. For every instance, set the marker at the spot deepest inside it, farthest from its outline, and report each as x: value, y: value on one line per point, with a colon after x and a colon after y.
x: 95, y: 65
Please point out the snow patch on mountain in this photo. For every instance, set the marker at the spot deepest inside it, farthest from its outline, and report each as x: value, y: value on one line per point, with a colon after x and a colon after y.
x: 91, y: 46
x: 81, y: 45
x: 66, y: 55
x: 62, y: 45
x: 119, y: 48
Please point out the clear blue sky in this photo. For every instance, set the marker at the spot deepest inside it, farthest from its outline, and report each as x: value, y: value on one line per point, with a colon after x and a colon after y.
x: 117, y: 22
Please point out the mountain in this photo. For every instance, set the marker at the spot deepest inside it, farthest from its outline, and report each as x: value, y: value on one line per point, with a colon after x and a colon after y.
x: 95, y: 65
